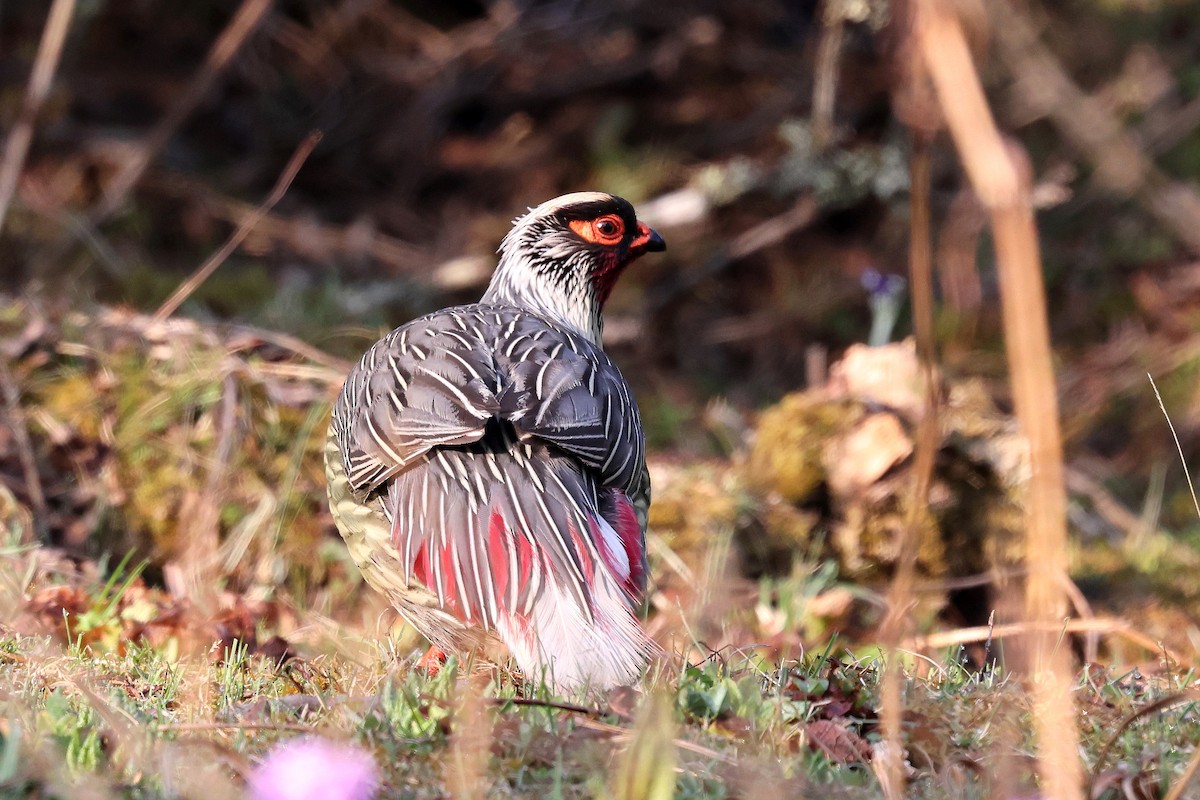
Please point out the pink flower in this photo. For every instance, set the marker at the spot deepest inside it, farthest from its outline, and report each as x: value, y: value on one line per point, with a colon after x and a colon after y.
x: 314, y: 769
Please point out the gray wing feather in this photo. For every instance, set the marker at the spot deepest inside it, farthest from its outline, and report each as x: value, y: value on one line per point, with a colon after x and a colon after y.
x: 437, y: 380
x: 414, y: 390
x: 573, y: 397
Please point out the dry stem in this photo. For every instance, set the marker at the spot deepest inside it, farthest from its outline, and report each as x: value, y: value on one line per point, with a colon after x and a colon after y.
x: 999, y: 178
x: 243, y: 230
x: 44, y: 65
x: 900, y: 593
x: 1102, y: 625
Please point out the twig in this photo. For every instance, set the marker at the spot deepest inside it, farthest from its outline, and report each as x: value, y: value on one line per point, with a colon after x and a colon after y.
x: 330, y: 379
x: 591, y: 719
x: 1078, y: 601
x: 960, y: 94
x: 235, y: 726
x: 1103, y: 625
x: 244, y: 22
x: 682, y: 744
x: 774, y: 230
x: 825, y: 72
x: 218, y: 258
x: 531, y: 702
x: 295, y: 345
x: 969, y: 581
x: 1108, y: 507
x: 1084, y: 609
x: 44, y: 65
x: 307, y: 237
x: 1162, y: 132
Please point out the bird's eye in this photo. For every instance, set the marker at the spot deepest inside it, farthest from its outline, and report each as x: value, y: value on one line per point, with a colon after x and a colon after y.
x: 607, y: 230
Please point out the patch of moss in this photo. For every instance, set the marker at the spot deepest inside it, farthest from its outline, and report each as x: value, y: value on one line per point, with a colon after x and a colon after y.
x: 693, y: 506
x: 786, y: 455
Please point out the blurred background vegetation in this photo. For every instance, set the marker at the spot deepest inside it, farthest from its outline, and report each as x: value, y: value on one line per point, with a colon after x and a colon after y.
x: 768, y: 141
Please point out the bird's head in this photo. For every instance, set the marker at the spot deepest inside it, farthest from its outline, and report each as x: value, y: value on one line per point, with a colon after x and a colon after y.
x: 563, y: 258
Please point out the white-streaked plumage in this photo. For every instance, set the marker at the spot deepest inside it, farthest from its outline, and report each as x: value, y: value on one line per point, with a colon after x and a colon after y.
x: 486, y: 463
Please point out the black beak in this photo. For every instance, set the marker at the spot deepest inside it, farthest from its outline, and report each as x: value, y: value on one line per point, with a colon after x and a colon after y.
x: 647, y: 240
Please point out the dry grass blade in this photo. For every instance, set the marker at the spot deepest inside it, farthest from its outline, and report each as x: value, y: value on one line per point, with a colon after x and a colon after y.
x: 200, y: 558
x: 218, y: 258
x: 1193, y: 763
x: 1178, y: 446
x: 44, y: 66
x: 140, y: 751
x: 470, y: 741
x: 646, y: 770
x: 244, y: 22
x: 1098, y: 625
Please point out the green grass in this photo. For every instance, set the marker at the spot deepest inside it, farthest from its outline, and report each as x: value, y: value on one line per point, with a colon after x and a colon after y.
x: 76, y: 721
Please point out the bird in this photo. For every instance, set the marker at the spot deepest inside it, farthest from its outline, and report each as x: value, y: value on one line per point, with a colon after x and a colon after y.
x: 486, y: 463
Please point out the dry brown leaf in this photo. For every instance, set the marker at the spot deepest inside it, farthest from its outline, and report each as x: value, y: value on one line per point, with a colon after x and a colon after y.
x: 838, y: 743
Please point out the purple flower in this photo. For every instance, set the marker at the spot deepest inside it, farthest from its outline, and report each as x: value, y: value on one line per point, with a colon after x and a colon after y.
x: 314, y: 769
x: 885, y: 293
x: 879, y: 284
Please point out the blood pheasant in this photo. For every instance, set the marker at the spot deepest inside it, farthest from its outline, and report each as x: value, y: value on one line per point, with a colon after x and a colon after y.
x: 486, y: 463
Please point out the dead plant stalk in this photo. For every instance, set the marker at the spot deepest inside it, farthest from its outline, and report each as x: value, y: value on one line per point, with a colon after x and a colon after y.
x: 900, y: 593
x: 1000, y: 179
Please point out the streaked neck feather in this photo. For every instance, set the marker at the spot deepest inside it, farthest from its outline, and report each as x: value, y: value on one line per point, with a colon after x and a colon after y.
x: 566, y: 298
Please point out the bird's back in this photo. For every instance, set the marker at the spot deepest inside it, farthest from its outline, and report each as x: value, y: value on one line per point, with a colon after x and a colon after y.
x: 487, y: 469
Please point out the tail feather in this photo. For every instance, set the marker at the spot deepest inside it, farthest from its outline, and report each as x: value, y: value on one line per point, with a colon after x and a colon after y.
x: 525, y: 544
x: 557, y: 644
